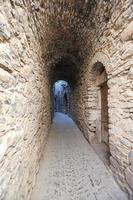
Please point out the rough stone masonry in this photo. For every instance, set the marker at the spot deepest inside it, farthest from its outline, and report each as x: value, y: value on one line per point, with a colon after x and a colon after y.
x: 79, y: 41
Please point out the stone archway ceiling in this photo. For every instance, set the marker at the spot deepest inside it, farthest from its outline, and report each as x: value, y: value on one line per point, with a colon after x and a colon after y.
x: 65, y: 69
x: 66, y: 27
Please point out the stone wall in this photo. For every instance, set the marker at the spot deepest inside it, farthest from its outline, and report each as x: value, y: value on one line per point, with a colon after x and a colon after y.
x: 24, y: 100
x: 113, y: 48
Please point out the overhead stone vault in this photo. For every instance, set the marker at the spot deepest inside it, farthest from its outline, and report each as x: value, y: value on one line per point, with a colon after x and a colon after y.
x: 89, y: 44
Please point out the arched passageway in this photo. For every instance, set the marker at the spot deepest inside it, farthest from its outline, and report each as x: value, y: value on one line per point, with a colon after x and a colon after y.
x: 88, y: 44
x: 71, y: 156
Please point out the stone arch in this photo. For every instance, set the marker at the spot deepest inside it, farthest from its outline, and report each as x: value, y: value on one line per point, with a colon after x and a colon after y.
x: 97, y: 89
x: 101, y: 58
x: 93, y: 121
x: 99, y: 72
x: 64, y: 67
x: 57, y: 58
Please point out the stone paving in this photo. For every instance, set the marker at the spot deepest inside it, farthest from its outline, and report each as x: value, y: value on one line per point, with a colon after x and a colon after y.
x: 71, y: 170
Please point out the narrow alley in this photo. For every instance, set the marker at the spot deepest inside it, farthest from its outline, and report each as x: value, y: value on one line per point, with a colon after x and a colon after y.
x: 71, y: 170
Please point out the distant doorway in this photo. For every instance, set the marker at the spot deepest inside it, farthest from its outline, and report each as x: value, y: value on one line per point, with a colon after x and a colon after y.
x: 61, y: 93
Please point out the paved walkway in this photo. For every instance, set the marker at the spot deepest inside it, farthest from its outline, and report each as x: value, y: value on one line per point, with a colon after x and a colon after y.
x: 71, y: 170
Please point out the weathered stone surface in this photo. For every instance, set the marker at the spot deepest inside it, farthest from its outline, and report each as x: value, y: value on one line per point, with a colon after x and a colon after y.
x: 129, y: 177
x: 24, y: 102
x: 6, y: 77
x: 130, y: 74
x: 5, y: 32
x: 130, y: 157
x: 127, y: 34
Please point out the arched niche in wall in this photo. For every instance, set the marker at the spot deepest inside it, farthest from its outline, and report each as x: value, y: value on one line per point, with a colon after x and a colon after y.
x: 101, y: 84
x: 99, y: 92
